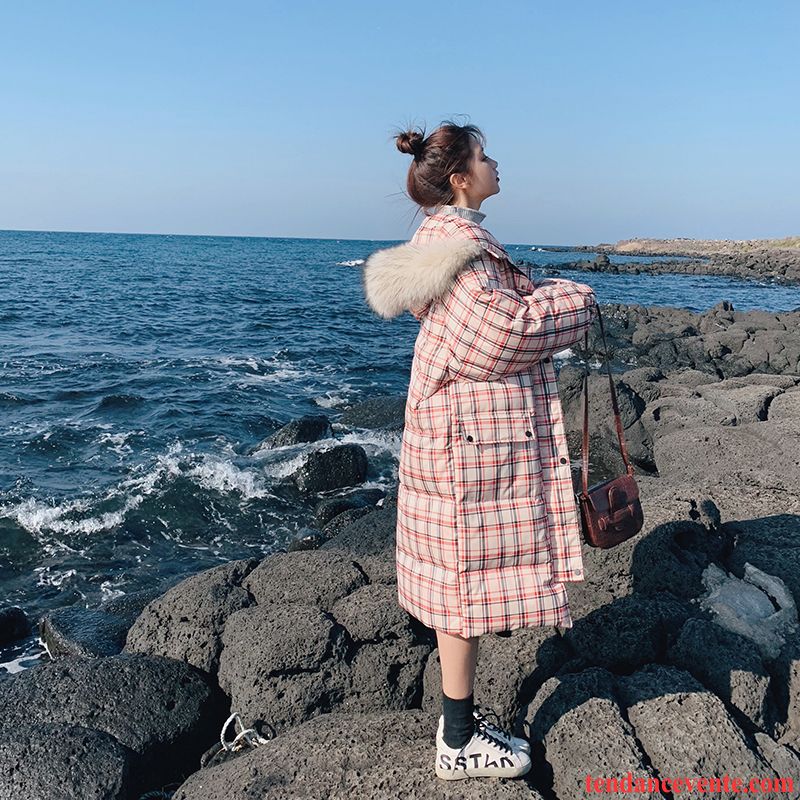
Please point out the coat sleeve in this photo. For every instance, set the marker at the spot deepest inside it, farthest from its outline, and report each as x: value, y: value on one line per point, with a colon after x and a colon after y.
x: 495, y: 331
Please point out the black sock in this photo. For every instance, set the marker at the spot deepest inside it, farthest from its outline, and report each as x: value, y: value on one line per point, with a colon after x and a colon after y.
x: 459, y: 724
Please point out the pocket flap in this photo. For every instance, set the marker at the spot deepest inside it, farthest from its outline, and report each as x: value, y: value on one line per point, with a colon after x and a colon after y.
x: 491, y: 426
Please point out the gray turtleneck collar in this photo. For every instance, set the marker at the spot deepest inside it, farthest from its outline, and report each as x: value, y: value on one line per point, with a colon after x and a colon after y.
x: 460, y: 211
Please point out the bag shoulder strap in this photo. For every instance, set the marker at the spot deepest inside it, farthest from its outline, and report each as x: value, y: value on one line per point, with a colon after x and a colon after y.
x: 617, y: 421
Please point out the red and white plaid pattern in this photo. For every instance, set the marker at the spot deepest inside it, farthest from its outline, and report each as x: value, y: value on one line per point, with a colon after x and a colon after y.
x: 488, y: 529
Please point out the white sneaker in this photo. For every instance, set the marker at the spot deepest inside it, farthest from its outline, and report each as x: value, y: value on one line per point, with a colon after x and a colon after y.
x: 517, y: 742
x: 484, y: 755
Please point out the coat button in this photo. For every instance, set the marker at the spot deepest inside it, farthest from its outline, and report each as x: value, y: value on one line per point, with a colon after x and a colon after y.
x: 470, y: 439
x: 547, y: 360
x: 528, y: 433
x: 563, y: 460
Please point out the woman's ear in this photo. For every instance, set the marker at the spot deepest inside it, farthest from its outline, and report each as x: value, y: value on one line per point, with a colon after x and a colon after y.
x: 459, y: 181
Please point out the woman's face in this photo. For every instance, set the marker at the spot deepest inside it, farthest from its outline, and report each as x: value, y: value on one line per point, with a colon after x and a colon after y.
x: 482, y: 180
x: 486, y: 179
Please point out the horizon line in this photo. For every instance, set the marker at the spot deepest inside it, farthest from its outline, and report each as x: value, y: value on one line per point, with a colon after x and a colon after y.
x: 188, y: 235
x: 605, y: 243
x: 255, y: 236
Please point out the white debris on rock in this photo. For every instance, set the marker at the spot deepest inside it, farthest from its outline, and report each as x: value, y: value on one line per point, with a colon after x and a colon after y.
x: 759, y: 606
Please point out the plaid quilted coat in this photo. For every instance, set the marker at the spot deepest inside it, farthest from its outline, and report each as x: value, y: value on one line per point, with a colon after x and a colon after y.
x: 488, y: 528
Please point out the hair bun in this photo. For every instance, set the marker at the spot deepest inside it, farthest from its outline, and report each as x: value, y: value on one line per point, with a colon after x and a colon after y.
x: 411, y: 142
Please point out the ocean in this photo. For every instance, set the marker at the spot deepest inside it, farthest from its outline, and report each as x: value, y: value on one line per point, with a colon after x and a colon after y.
x: 141, y: 373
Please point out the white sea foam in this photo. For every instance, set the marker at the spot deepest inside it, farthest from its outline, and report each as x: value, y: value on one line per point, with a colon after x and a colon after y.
x: 49, y: 576
x: 223, y: 476
x: 277, y: 369
x: 234, y: 361
x: 282, y: 469
x: 375, y: 441
x: 278, y: 376
x: 25, y: 427
x: 34, y: 515
x: 118, y: 442
x: 32, y: 429
x: 284, y: 372
x: 31, y: 367
x: 44, y: 518
x: 384, y: 483
x: 211, y: 472
x: 280, y: 462
x: 241, y: 361
x: 354, y: 263
x: 19, y: 664
x: 109, y: 590
x: 38, y: 516
x: 335, y: 398
x: 330, y: 401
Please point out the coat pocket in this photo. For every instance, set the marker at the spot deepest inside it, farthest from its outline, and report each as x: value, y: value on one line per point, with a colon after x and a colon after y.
x: 425, y: 463
x: 502, y: 517
x: 496, y: 457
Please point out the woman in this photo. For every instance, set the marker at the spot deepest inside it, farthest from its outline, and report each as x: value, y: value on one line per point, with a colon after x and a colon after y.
x: 487, y: 526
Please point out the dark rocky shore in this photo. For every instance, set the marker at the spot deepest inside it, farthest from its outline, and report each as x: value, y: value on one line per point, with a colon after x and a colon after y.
x: 777, y: 261
x: 684, y: 657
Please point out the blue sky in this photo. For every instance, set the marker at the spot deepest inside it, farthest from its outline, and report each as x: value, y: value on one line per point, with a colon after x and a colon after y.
x: 608, y: 119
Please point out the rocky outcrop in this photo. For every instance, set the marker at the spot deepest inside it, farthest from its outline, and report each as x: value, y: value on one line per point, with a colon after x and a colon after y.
x: 699, y: 430
x: 580, y: 730
x: 52, y: 761
x: 327, y: 667
x: 323, y: 470
x: 82, y: 632
x: 308, y: 428
x: 157, y: 716
x: 729, y: 665
x: 685, y: 729
x: 186, y: 623
x: 326, y: 510
x: 370, y: 535
x: 721, y: 341
x: 14, y: 624
x: 386, y: 412
x: 90, y: 632
x: 317, y: 579
x: 785, y: 672
x: 380, y: 756
x: 629, y: 632
x: 313, y: 651
x: 773, y: 260
x: 770, y: 543
x: 281, y: 665
x: 321, y: 637
x: 301, y: 633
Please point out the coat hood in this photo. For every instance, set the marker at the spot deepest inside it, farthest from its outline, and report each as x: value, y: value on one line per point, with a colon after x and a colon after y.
x: 409, y: 277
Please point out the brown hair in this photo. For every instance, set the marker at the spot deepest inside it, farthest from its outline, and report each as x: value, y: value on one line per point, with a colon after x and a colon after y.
x: 448, y: 150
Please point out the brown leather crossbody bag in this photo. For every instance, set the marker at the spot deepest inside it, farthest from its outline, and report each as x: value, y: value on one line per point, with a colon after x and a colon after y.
x: 610, y: 510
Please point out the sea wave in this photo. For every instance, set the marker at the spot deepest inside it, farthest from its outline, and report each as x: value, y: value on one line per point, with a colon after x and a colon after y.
x: 206, y: 471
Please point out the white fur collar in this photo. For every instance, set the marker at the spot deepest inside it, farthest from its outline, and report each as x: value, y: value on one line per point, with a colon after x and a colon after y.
x: 409, y: 276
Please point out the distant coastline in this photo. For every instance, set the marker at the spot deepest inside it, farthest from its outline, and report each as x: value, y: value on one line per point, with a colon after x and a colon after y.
x: 776, y: 260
